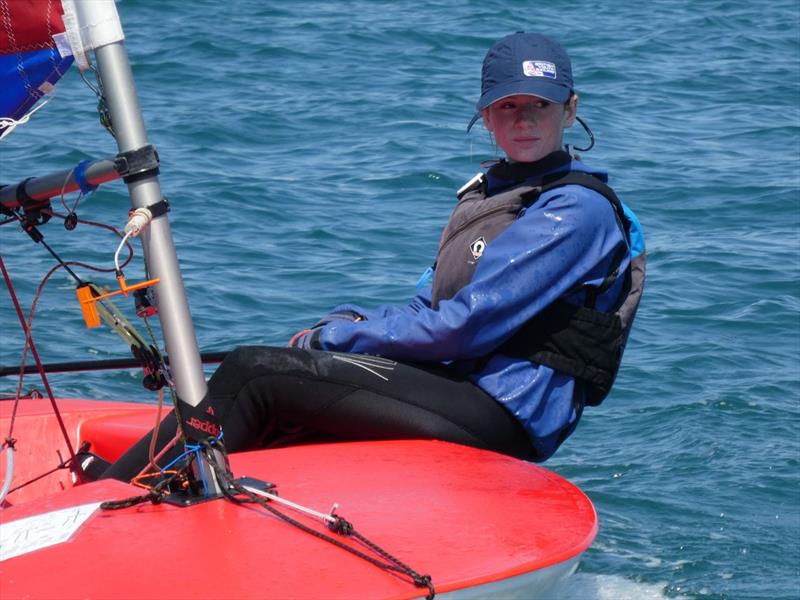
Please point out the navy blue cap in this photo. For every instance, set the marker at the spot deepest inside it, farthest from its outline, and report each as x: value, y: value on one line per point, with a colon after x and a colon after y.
x: 528, y: 64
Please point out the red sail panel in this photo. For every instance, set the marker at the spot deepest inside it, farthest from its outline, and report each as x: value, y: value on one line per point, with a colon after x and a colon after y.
x: 27, y: 25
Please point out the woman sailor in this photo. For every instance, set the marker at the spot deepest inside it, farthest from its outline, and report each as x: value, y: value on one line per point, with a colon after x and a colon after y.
x: 535, y: 286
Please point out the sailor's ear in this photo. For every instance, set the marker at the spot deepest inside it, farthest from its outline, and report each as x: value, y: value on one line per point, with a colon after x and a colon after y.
x: 487, y: 119
x: 570, y: 111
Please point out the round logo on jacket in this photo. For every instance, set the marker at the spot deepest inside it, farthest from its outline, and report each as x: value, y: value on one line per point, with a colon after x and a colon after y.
x: 477, y: 247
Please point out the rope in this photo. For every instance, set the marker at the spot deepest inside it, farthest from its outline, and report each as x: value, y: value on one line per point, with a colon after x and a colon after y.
x: 154, y: 495
x: 335, y: 523
x: 7, y: 124
x: 151, y: 454
x: 102, y: 105
x: 64, y: 464
x: 61, y: 265
x: 132, y: 501
x: 330, y: 518
x: 143, y: 473
x: 45, y: 381
x: 231, y: 490
x: 117, y: 322
x: 343, y: 527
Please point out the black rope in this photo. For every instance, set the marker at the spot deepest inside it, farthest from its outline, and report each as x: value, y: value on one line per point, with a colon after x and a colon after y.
x: 64, y: 464
x: 99, y: 365
x: 37, y: 237
x: 61, y: 262
x: 154, y: 495
x: 588, y: 132
x: 149, y: 357
x: 339, y: 525
x: 233, y: 491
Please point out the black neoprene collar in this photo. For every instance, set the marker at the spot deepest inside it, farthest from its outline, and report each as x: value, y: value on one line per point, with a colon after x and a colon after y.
x: 519, y: 171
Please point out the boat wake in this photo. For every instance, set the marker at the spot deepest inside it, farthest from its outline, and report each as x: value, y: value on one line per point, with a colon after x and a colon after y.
x: 589, y: 586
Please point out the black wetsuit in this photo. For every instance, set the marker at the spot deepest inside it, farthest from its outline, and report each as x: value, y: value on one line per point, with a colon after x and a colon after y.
x: 266, y: 396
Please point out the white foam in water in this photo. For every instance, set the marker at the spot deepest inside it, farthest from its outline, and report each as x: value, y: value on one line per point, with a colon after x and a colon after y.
x: 587, y: 586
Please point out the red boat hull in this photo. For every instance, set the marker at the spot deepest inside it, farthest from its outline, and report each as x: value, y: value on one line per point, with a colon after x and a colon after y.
x: 467, y: 517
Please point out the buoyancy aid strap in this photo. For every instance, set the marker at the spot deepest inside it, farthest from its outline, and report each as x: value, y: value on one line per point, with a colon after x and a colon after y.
x: 590, y: 181
x: 587, y: 180
x: 613, y: 272
x: 579, y: 340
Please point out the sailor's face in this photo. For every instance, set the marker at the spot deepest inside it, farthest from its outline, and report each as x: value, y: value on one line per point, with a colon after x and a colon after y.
x: 528, y: 128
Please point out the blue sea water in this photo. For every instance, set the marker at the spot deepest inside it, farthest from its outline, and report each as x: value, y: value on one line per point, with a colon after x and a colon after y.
x: 311, y: 151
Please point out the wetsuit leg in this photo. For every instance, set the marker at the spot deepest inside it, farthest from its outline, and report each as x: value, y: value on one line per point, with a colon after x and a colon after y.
x: 259, y: 393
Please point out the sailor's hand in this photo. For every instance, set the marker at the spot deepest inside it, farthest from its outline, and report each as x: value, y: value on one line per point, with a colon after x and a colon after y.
x: 301, y: 339
x: 341, y: 315
x: 307, y: 338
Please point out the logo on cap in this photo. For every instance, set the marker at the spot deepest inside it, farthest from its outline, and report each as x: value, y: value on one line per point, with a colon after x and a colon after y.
x: 539, y: 68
